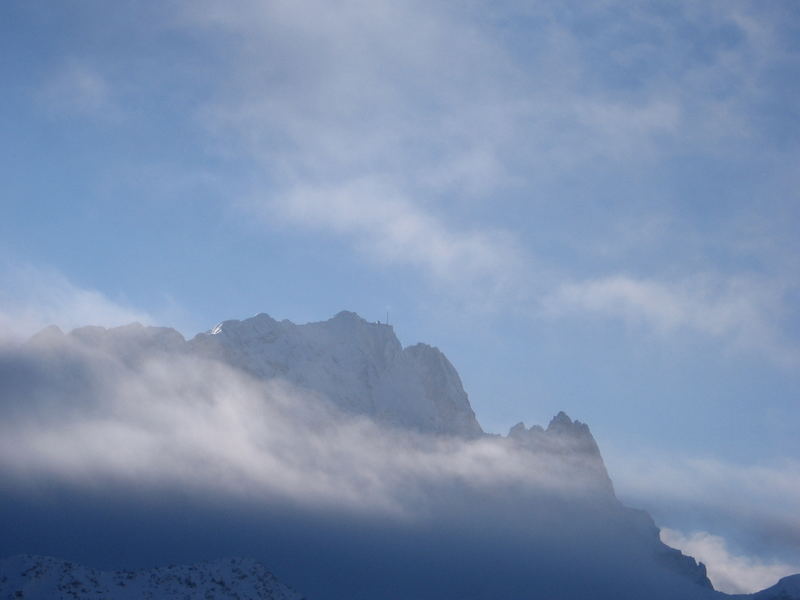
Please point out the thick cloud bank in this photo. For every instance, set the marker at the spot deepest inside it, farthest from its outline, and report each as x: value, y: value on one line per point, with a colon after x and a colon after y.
x: 142, y: 414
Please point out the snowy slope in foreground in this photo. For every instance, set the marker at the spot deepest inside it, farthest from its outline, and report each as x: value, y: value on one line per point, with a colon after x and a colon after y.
x: 43, y: 578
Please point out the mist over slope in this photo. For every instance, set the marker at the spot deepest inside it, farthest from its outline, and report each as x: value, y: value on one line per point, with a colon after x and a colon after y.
x: 352, y: 467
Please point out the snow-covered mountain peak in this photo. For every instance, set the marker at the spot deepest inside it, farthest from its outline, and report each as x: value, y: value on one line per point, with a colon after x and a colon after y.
x: 259, y: 324
x: 358, y: 365
x: 344, y: 328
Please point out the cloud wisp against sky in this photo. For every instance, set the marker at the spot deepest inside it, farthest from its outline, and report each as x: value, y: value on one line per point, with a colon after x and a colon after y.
x: 32, y: 298
x: 744, y: 314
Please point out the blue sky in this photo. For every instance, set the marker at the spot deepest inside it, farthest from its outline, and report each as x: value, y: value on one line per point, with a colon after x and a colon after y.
x: 587, y: 207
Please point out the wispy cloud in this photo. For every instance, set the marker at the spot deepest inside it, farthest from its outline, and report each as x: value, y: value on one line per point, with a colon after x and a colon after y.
x: 380, y: 124
x: 32, y: 298
x: 388, y: 228
x: 408, y: 130
x: 729, y: 572
x: 745, y: 313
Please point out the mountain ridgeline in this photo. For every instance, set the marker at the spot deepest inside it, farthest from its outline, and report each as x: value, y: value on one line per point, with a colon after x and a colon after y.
x: 351, y: 466
x: 359, y: 366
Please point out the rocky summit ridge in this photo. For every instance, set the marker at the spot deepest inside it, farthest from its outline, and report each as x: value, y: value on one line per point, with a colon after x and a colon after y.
x: 358, y: 365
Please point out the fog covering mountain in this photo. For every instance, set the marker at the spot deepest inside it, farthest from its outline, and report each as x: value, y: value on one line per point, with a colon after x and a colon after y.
x: 348, y: 465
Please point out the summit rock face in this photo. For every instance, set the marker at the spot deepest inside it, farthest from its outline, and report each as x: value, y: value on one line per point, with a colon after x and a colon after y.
x: 359, y: 366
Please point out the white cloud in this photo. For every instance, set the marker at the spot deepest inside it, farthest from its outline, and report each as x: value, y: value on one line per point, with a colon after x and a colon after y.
x: 151, y: 418
x: 744, y: 312
x: 345, y: 90
x: 431, y: 102
x: 730, y: 573
x: 439, y: 97
x: 387, y: 124
x: 32, y: 298
x: 374, y: 121
x: 415, y: 110
x: 388, y: 228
